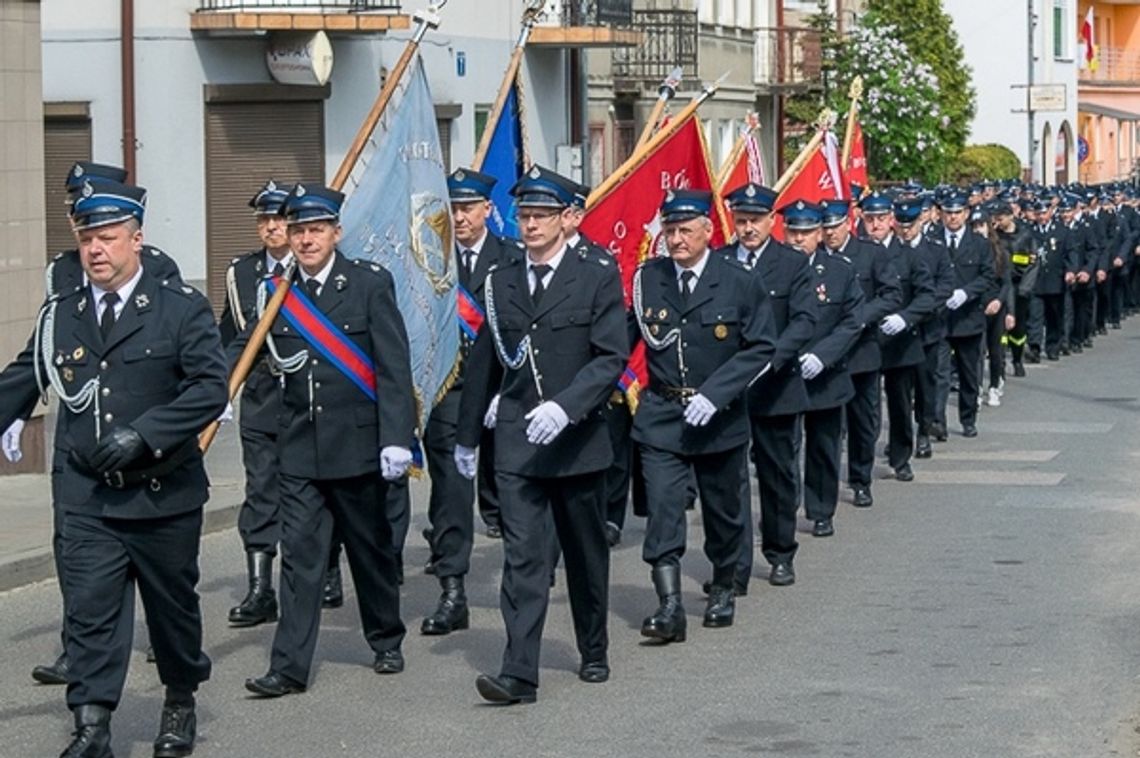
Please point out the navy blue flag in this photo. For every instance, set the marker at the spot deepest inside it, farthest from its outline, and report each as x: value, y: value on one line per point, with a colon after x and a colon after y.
x: 504, y: 161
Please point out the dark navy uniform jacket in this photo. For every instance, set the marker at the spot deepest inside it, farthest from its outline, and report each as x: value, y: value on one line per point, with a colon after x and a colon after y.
x: 260, y: 396
x: 882, y: 295
x: 839, y: 297
x: 580, y: 348
x: 726, y: 335
x: 786, y: 277
x: 918, y: 302
x: 328, y: 428
x: 933, y: 328
x: 973, y: 272
x: 65, y: 272
x: 1056, y: 255
x: 161, y: 372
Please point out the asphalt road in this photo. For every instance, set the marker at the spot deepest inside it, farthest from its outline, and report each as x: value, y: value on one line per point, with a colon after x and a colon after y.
x: 989, y: 608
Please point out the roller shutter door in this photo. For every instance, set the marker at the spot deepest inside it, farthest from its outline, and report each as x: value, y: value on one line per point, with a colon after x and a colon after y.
x: 66, y: 140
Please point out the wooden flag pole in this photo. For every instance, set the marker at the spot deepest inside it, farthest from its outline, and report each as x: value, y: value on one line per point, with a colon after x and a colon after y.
x: 639, y: 156
x: 428, y: 19
x: 823, y: 124
x: 666, y: 92
x: 856, y: 94
x: 530, y: 15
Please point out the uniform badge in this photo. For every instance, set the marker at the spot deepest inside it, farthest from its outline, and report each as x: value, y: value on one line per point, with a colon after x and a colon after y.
x: 750, y: 192
x: 300, y: 191
x: 720, y: 332
x: 82, y: 306
x: 67, y: 374
x: 535, y: 173
x: 88, y: 190
x: 460, y: 176
x: 141, y: 301
x: 188, y: 290
x: 59, y: 360
x: 78, y: 353
x: 821, y: 292
x: 258, y: 267
x: 663, y: 313
x: 340, y: 281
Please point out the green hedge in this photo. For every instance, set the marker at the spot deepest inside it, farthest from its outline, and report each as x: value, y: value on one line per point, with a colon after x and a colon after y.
x: 977, y: 162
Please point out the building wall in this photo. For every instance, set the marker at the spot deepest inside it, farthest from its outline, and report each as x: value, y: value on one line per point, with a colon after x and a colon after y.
x: 81, y: 63
x: 21, y: 191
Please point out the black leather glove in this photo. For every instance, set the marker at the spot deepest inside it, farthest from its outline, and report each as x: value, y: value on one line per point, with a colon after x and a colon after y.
x: 118, y: 447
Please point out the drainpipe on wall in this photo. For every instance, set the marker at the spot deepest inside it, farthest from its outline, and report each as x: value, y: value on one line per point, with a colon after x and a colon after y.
x: 127, y: 70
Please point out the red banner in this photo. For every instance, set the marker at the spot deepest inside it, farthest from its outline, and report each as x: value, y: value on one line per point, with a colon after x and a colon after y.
x: 819, y: 179
x: 856, y: 168
x: 626, y: 222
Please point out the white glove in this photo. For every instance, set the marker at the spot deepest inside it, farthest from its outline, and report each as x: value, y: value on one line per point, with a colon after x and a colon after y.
x: 810, y: 365
x: 892, y: 325
x: 546, y: 422
x: 11, y: 441
x: 491, y: 417
x: 227, y: 415
x: 465, y: 461
x: 699, y: 411
x: 395, y: 462
x: 956, y: 300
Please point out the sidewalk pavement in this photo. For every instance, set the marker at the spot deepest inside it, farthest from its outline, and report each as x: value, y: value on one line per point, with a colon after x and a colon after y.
x: 26, y: 512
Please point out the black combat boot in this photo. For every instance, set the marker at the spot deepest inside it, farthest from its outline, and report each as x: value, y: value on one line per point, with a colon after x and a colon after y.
x: 178, y: 726
x: 721, y: 607
x: 260, y: 604
x: 92, y: 733
x: 332, y: 595
x: 55, y: 673
x: 668, y: 622
x: 452, y: 613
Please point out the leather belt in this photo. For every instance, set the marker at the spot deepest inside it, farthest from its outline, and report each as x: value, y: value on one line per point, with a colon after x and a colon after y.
x: 680, y: 395
x: 121, y: 480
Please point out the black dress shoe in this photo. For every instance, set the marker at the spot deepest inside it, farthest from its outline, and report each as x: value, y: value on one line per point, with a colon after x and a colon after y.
x: 863, y: 497
x: 1018, y: 369
x: 494, y: 531
x: 92, y: 735
x: 613, y: 534
x: 55, y: 673
x: 1053, y: 356
x: 332, y: 595
x: 1033, y: 356
x: 969, y: 430
x: 273, y: 685
x: 904, y: 473
x: 922, y: 448
x: 594, y: 672
x: 1077, y: 349
x: 1102, y: 330
x: 176, y: 733
x: 1065, y: 350
x: 782, y: 575
x: 721, y: 608
x: 389, y: 662
x: 505, y: 690
x: 1116, y: 325
x: 822, y: 528
x: 938, y: 431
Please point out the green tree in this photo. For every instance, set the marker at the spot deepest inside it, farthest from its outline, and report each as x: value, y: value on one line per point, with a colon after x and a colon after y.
x: 928, y: 33
x: 805, y: 107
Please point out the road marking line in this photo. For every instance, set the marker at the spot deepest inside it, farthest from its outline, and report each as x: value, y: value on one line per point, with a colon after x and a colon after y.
x: 993, y: 478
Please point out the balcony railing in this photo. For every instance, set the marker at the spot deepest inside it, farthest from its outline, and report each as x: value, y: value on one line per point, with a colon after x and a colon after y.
x: 302, y: 6
x: 669, y: 40
x: 1119, y: 65
x: 787, y: 58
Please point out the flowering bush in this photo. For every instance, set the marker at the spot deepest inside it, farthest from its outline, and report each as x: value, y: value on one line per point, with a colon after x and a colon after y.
x: 903, y: 125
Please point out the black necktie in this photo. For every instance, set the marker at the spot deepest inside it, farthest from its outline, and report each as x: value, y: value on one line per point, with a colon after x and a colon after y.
x: 540, y: 272
x: 313, y: 287
x: 687, y: 278
x: 107, y: 320
x: 466, y: 269
x: 278, y: 270
x: 953, y: 243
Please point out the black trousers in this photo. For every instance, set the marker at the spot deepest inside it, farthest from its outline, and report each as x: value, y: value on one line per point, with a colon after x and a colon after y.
x: 258, y: 520
x: 487, y: 485
x: 898, y: 386
x: 1054, y: 306
x: 577, y: 504
x: 1103, y: 298
x: 104, y: 560
x: 1118, y: 287
x: 774, y: 456
x: 1018, y: 335
x: 451, y: 506
x: 619, y: 421
x: 721, y: 477
x: 1084, y: 298
x: 926, y: 388
x: 995, y: 350
x: 863, y: 412
x: 310, y: 512
x: 821, y: 462
x: 967, y: 357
